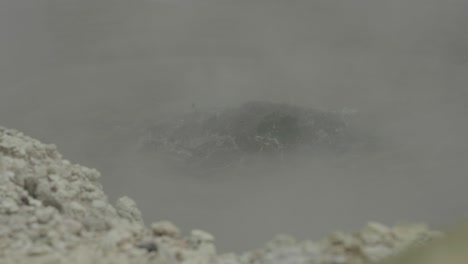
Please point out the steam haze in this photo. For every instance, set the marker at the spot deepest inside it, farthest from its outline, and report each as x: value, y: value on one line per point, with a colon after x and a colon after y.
x: 88, y: 75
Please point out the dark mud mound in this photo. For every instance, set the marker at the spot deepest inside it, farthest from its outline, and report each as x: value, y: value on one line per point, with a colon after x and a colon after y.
x: 255, y: 129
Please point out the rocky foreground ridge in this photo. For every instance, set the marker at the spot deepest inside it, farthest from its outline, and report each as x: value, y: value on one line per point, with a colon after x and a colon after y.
x: 54, y: 211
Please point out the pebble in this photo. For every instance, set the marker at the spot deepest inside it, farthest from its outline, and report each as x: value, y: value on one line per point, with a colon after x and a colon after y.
x: 202, y: 236
x: 149, y: 246
x: 165, y: 228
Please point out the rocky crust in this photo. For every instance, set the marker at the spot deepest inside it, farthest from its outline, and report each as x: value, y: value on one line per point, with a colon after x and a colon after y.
x: 53, y: 211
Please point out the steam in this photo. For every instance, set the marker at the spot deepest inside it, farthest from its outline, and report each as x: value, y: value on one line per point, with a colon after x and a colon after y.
x: 88, y: 75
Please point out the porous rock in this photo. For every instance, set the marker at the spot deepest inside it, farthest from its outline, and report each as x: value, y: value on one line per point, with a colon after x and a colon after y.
x: 53, y: 211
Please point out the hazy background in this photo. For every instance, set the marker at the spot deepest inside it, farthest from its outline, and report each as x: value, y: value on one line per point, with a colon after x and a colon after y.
x: 87, y: 74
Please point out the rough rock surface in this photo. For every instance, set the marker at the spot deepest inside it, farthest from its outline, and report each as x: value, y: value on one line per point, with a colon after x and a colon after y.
x: 52, y: 211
